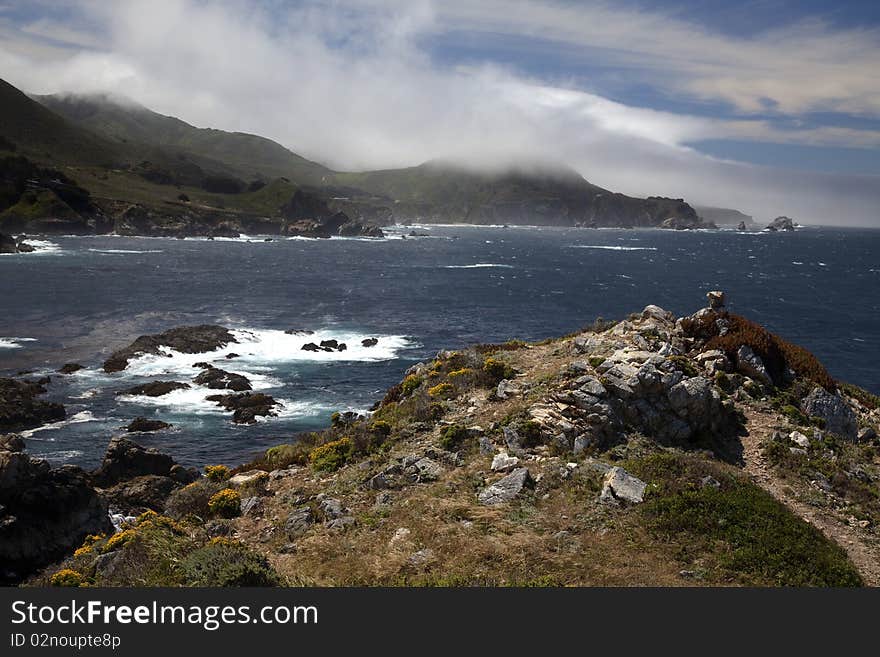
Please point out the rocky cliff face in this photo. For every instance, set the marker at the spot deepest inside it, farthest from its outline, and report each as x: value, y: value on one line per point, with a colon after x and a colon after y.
x: 44, y: 512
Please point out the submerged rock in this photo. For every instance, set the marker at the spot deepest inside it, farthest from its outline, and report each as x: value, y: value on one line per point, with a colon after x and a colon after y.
x: 143, y: 425
x: 70, y: 368
x: 246, y: 406
x: 155, y: 388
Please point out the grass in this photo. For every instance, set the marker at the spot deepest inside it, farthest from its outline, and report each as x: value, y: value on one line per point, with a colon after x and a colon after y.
x: 850, y: 470
x: 743, y: 533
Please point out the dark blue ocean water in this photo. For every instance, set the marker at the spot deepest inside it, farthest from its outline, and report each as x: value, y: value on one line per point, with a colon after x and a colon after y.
x: 81, y: 298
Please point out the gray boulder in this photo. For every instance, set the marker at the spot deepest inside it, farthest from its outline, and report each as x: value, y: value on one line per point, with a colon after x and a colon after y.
x: 750, y: 364
x: 839, y: 417
x: 298, y: 522
x: 620, y: 486
x: 507, y: 488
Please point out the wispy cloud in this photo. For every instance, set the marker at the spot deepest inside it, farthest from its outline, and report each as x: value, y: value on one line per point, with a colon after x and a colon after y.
x: 350, y: 85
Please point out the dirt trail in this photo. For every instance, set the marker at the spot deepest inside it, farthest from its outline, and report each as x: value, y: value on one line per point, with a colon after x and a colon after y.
x: 861, y: 545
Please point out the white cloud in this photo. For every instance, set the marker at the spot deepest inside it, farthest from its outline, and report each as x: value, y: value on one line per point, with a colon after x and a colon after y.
x: 348, y: 85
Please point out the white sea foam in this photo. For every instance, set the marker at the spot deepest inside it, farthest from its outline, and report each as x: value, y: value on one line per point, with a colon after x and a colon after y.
x: 479, y: 265
x: 14, y: 343
x: 189, y: 401
x: 262, y: 350
x: 60, y: 455
x: 117, y: 251
x: 86, y: 394
x: 78, y: 418
x: 613, y: 248
x: 43, y: 247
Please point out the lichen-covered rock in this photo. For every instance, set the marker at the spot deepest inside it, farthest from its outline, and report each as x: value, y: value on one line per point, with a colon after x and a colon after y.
x: 839, y: 417
x: 298, y: 522
x: 507, y: 488
x: 750, y: 364
x: 620, y: 486
x: 502, y: 462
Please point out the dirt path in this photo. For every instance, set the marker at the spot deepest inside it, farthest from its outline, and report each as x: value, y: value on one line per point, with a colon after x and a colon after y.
x: 862, y: 547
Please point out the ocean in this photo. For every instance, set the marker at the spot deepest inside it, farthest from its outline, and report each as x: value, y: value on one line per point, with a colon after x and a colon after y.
x: 79, y: 298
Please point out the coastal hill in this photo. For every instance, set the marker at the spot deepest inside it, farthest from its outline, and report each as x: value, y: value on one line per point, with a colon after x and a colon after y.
x: 146, y: 173
x: 124, y: 122
x: 724, y: 216
x: 548, y: 196
x: 655, y: 450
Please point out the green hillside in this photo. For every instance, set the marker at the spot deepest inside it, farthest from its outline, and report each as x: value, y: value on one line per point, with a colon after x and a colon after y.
x: 31, y: 130
x: 244, y: 155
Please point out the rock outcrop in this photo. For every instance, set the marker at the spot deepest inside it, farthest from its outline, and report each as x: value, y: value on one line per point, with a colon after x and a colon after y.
x: 780, y: 223
x: 9, y: 245
x: 217, y: 379
x: 45, y: 512
x: 134, y: 478
x: 246, y: 407
x: 839, y: 418
x: 20, y: 408
x: 185, y: 339
x: 144, y: 425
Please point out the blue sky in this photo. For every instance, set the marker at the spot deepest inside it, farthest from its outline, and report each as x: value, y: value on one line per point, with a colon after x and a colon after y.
x: 747, y: 104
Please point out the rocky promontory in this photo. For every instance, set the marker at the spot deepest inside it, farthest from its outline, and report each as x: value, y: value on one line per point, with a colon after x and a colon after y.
x: 655, y: 450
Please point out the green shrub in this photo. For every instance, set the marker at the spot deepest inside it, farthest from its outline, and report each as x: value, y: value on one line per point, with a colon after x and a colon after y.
x: 595, y: 361
x: 380, y: 427
x: 192, y: 499
x: 453, y: 437
x: 497, y: 370
x: 442, y: 391
x: 331, y: 456
x: 67, y: 577
x: 225, y: 563
x: 282, y: 456
x: 531, y: 433
x: 865, y: 398
x: 217, y: 472
x: 410, y: 384
x: 225, y: 503
x: 684, y: 364
x: 118, y: 540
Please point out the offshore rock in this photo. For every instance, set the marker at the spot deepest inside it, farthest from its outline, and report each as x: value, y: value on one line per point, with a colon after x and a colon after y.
x: 185, y: 339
